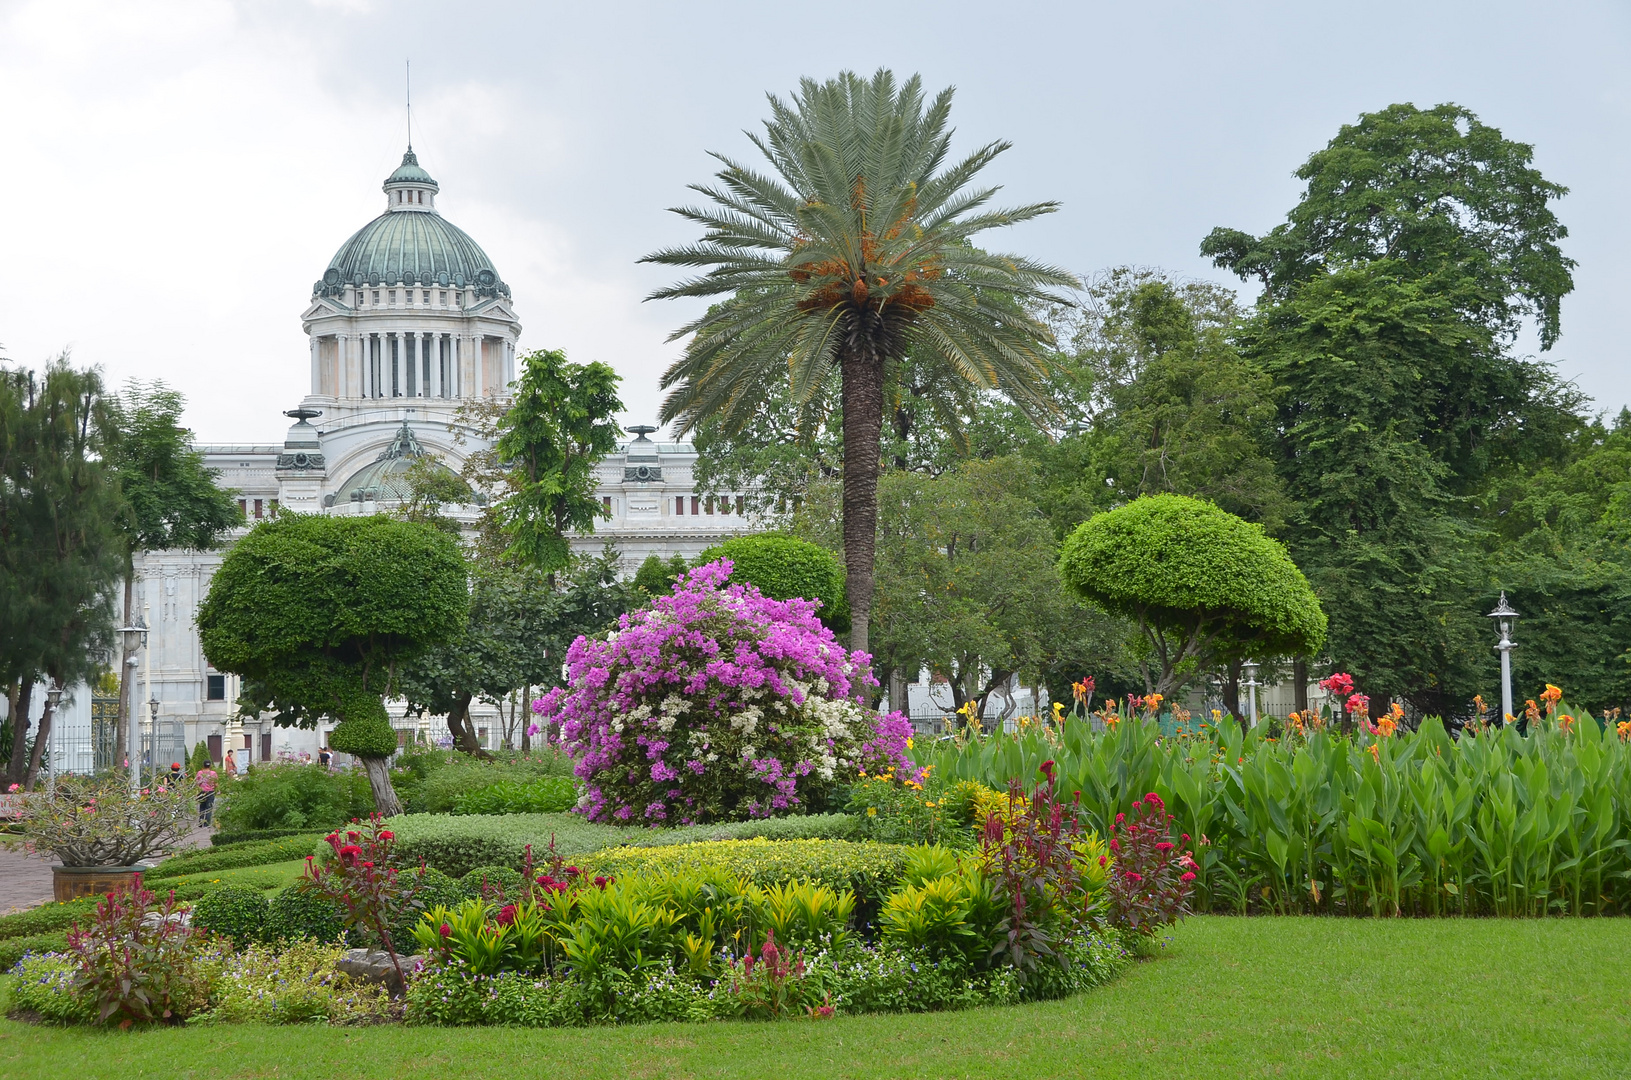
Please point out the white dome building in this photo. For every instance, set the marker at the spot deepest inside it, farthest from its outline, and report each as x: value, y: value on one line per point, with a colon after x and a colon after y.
x: 409, y: 321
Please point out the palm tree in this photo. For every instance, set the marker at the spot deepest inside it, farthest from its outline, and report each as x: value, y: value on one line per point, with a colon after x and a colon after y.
x: 854, y: 248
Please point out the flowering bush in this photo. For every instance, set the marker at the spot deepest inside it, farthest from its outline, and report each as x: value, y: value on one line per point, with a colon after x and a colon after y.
x: 295, y: 984
x: 101, y: 822
x: 1152, y: 879
x: 718, y: 703
x: 371, y: 894
x: 138, y: 961
x: 43, y: 983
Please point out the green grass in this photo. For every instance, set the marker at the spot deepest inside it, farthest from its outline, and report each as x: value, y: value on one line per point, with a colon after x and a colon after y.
x: 1304, y: 997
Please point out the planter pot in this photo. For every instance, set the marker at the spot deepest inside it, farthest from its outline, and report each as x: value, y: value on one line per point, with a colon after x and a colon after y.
x: 72, y: 882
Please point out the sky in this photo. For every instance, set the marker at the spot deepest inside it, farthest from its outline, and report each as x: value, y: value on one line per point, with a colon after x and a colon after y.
x: 174, y: 176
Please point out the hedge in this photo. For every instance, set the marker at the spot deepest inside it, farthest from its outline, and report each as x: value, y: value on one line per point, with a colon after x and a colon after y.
x: 230, y: 839
x: 458, y: 845
x: 48, y: 917
x: 234, y: 911
x: 252, y: 853
x: 14, y: 949
x: 869, y: 868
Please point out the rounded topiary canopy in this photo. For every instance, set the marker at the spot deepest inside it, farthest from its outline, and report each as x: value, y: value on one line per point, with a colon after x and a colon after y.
x: 1173, y: 562
x: 786, y: 568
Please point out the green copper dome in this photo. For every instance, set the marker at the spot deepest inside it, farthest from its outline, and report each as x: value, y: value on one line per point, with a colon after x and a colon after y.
x: 411, y: 244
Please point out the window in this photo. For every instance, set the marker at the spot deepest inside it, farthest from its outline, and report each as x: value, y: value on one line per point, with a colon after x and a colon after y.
x: 442, y: 298
x: 243, y: 508
x: 679, y: 504
x: 458, y: 299
x: 606, y: 501
x: 215, y: 688
x: 741, y: 504
x: 376, y: 296
x: 257, y: 509
x: 274, y: 508
x: 696, y: 506
x: 393, y: 297
x: 426, y: 298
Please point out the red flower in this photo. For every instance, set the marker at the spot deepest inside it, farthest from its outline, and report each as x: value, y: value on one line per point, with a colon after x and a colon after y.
x: 1186, y: 838
x: 1115, y: 845
x: 572, y: 871
x: 349, y: 853
x: 1164, y: 846
x: 351, y: 836
x: 1047, y: 769
x: 369, y: 865
x: 1187, y: 877
x: 600, y: 882
x: 1131, y: 876
x: 1104, y: 860
x: 1120, y: 818
x: 1154, y: 800
x: 506, y: 915
x: 387, y: 834
x: 447, y: 931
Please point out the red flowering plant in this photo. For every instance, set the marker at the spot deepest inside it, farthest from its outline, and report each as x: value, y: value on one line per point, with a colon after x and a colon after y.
x: 1031, y: 856
x: 372, y: 895
x: 1152, y: 879
x: 140, y: 961
x: 772, y: 984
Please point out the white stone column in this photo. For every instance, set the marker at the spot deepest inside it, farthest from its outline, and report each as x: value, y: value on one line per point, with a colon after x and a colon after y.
x: 315, y: 353
x: 436, y: 360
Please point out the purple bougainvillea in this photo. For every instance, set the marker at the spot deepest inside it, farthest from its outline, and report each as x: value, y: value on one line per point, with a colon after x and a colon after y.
x: 714, y: 703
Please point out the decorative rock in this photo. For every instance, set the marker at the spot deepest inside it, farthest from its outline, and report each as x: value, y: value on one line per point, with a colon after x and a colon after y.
x: 374, y: 965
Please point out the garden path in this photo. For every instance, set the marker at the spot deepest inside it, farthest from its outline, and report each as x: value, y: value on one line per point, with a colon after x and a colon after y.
x: 25, y: 881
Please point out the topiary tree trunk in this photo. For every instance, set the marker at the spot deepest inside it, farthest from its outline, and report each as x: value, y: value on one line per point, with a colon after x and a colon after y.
x: 365, y: 733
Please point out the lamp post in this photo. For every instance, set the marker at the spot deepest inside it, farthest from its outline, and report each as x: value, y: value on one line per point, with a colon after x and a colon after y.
x: 152, y: 724
x: 1503, y: 616
x: 53, y: 697
x: 1250, y: 667
x: 424, y: 729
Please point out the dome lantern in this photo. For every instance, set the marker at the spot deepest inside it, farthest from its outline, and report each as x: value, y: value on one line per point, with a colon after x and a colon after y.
x: 410, y: 187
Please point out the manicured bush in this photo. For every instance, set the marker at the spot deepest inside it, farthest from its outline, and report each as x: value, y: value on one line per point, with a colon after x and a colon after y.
x: 249, y: 853
x: 457, y: 845
x: 784, y: 568
x: 550, y: 795
x: 869, y: 870
x: 291, y: 796
x: 433, y: 781
x: 237, y: 912
x: 44, y: 984
x: 717, y: 703
x: 295, y: 914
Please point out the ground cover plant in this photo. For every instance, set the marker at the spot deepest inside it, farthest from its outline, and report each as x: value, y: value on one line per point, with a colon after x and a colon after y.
x: 1460, y: 999
x: 1496, y: 820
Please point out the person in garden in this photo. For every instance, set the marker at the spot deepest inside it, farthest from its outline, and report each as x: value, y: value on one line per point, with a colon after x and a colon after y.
x: 231, y: 766
x: 206, y: 795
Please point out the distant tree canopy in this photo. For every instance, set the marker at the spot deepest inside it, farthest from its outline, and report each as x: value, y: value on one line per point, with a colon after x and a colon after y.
x: 317, y: 613
x: 1200, y: 584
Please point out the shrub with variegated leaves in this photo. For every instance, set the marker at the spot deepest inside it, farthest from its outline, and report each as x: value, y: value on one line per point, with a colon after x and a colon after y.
x: 718, y: 703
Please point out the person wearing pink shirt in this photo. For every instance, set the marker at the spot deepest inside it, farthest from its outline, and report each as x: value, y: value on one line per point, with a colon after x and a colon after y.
x: 206, y: 795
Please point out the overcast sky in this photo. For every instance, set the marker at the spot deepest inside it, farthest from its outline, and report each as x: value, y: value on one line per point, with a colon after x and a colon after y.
x: 174, y: 176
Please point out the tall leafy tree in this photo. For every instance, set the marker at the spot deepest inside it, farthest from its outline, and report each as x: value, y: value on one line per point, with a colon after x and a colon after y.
x: 171, y: 497
x: 850, y: 250
x: 60, y: 542
x: 558, y: 426
x: 1393, y: 293
x: 319, y: 613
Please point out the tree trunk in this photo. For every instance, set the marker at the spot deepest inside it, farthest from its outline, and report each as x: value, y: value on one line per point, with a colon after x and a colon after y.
x: 862, y: 398
x: 1299, y: 685
x: 462, y: 730
x: 121, y: 736
x: 17, y: 766
x: 42, y: 740
x: 526, y: 719
x: 379, y: 779
x: 1231, y: 691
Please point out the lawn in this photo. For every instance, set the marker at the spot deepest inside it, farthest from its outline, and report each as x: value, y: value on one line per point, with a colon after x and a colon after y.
x: 269, y: 876
x: 1291, y: 997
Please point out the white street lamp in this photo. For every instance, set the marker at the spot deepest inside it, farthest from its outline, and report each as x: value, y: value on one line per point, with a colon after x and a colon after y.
x: 1503, y: 614
x: 1252, y: 684
x: 53, y: 697
x: 135, y: 640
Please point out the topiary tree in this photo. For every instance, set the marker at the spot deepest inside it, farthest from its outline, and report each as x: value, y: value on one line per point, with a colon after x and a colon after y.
x: 317, y: 612
x: 657, y: 575
x: 786, y: 568
x: 1201, y: 584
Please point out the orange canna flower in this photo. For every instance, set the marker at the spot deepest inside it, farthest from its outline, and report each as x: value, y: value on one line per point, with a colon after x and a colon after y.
x: 1551, y: 696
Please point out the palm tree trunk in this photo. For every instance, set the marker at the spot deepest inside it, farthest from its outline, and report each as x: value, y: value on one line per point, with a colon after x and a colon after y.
x: 863, y: 429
